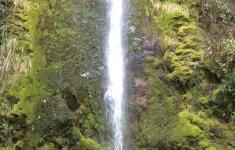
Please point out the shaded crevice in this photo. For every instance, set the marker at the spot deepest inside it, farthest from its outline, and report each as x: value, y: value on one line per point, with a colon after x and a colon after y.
x: 71, y: 100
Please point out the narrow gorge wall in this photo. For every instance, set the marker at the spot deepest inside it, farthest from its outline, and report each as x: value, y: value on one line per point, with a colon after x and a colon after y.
x: 182, y: 63
x: 51, y: 74
x: 180, y: 75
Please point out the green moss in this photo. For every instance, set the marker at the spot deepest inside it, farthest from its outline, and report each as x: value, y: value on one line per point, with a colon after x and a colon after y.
x: 16, y: 146
x: 89, y: 124
x: 185, y: 128
x: 30, y: 89
x: 88, y: 144
x: 204, y: 144
x: 188, y: 97
x: 85, y: 143
x: 77, y: 134
x: 211, y: 148
x: 181, y: 71
x: 138, y: 49
x: 191, y: 125
x: 156, y: 86
x: 169, y: 106
x: 202, y: 100
x: 30, y: 93
x: 190, y: 42
x: 154, y: 122
x: 186, y: 29
x: 167, y: 22
x: 184, y: 53
x: 7, y: 148
x: 49, y: 146
x: 182, y: 41
x: 153, y: 61
x: 189, y: 53
x: 42, y: 18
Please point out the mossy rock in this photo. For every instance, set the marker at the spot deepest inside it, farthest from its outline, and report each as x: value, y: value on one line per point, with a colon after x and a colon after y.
x: 167, y: 23
x: 182, y: 44
x: 190, y: 126
x: 30, y: 93
x: 206, y: 144
x: 88, y: 144
x: 154, y: 61
x: 187, y: 29
x: 49, y: 146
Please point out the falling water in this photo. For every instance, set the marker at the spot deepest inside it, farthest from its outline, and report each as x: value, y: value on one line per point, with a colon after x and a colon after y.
x: 115, y: 64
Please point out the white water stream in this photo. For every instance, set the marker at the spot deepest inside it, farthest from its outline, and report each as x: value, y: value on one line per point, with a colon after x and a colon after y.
x: 116, y: 70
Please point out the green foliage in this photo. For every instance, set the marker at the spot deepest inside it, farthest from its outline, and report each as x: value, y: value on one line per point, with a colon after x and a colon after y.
x: 43, y: 18
x: 204, y: 144
x: 202, y: 100
x: 196, y: 95
x: 30, y: 93
x: 85, y: 143
x: 166, y: 22
x: 228, y: 90
x: 47, y: 147
x: 229, y: 45
x: 223, y: 7
x: 88, y: 144
x: 182, y: 44
x: 5, y: 131
x: 229, y: 85
x: 77, y: 134
x: 183, y: 35
x: 221, y: 60
x: 190, y: 125
x: 154, y: 61
x: 185, y: 128
x: 5, y: 108
x: 155, y: 121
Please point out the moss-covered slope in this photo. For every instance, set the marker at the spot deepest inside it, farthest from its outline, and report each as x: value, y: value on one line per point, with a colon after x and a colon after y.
x: 51, y: 75
x: 188, y: 99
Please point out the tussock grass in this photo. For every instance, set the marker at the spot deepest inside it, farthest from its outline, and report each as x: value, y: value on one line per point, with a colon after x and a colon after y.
x: 173, y: 7
x: 168, y: 7
x: 20, y: 3
x: 7, y: 50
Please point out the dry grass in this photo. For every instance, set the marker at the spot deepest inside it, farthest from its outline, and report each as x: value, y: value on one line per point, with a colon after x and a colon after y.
x: 173, y: 7
x: 169, y: 42
x: 7, y: 50
x: 20, y: 3
x: 12, y: 63
x: 156, y: 4
x: 169, y: 7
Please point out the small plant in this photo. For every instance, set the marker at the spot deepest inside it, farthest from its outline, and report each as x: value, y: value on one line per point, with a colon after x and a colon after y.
x: 233, y: 117
x: 225, y: 8
x: 228, y: 91
x: 229, y: 85
x: 230, y: 46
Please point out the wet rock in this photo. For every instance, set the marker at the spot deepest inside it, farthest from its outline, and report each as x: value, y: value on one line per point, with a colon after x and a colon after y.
x: 141, y: 97
x: 216, y: 132
x: 139, y: 59
x: 132, y: 29
x: 86, y: 75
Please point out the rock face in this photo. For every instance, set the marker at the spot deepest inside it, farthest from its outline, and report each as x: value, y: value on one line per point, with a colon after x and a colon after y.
x: 183, y: 104
x: 51, y: 55
x: 181, y: 70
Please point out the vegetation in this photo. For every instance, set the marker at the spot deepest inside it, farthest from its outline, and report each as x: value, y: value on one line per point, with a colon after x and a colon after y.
x: 189, y: 70
x: 182, y: 68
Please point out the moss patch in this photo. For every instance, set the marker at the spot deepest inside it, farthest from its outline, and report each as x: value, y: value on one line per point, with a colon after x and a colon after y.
x: 191, y: 126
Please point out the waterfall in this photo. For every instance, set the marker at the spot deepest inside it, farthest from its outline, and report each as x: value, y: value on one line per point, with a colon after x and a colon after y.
x: 116, y: 70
